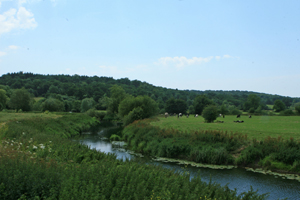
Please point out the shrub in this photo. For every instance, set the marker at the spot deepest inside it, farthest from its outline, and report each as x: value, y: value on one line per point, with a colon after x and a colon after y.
x: 210, y: 113
x: 287, y: 112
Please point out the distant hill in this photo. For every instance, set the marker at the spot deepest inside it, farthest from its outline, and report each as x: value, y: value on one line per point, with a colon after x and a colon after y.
x: 81, y: 87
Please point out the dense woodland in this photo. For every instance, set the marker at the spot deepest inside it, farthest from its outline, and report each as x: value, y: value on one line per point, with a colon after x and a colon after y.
x: 69, y: 93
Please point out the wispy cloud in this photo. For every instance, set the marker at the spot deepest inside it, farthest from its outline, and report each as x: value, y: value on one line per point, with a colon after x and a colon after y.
x: 2, y: 53
x: 181, y: 62
x: 13, y: 47
x: 16, y: 19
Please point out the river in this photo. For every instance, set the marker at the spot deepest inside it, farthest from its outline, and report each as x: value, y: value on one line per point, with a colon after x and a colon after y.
x: 238, y: 178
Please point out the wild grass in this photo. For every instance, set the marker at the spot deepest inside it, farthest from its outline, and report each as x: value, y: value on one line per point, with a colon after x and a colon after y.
x: 258, y: 127
x: 38, y: 161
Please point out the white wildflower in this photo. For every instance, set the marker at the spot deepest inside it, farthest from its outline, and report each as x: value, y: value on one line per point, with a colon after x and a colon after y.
x: 34, y: 147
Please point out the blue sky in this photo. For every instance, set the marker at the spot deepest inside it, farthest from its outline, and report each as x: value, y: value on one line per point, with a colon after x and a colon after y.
x: 186, y: 44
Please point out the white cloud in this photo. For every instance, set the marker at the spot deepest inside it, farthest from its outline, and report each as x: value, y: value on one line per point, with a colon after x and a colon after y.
x: 16, y: 19
x: 2, y: 53
x: 13, y: 47
x: 181, y: 62
x: 227, y: 56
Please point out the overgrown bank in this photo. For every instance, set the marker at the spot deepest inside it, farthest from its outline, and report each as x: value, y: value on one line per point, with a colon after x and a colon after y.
x: 214, y: 147
x: 39, y: 162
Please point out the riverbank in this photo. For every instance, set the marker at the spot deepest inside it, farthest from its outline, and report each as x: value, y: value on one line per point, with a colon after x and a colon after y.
x: 215, y: 147
x: 39, y: 161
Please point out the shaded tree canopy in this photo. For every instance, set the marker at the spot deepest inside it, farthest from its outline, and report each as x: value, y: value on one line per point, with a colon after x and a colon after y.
x: 52, y: 104
x: 135, y: 108
x: 176, y: 106
x: 20, y: 99
x: 278, y: 106
x: 210, y: 113
x: 3, y: 99
x: 200, y: 102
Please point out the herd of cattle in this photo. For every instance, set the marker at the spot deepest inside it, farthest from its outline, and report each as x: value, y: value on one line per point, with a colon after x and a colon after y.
x: 196, y: 115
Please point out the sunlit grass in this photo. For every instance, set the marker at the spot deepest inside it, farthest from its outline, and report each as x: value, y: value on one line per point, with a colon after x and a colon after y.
x: 259, y: 127
x: 5, y: 117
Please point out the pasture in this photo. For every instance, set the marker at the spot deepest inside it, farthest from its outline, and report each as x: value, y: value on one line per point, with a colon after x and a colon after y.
x: 6, y: 116
x: 258, y: 127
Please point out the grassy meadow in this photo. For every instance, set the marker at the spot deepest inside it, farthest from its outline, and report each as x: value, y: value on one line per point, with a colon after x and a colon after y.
x: 258, y: 127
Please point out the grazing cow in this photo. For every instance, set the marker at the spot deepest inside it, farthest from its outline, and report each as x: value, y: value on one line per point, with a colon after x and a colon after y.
x: 196, y: 115
x: 238, y: 121
x: 180, y: 114
x: 238, y: 116
x: 187, y: 115
x: 250, y: 116
x: 223, y: 116
x: 166, y: 115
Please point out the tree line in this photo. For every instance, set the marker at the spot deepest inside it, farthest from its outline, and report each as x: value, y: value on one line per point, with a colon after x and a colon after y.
x: 36, y: 92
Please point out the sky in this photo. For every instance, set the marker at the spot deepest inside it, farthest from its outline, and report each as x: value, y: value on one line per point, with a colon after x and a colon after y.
x: 248, y: 45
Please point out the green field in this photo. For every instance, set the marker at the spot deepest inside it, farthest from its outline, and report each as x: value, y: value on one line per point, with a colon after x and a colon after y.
x: 5, y: 117
x: 259, y: 127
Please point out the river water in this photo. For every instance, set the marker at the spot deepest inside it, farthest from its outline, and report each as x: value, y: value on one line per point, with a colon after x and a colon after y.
x: 238, y: 178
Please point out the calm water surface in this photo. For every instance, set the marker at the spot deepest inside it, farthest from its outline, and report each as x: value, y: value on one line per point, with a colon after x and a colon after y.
x: 240, y: 179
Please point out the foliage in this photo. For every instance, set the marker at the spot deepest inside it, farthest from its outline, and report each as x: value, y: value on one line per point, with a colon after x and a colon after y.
x: 210, y: 113
x: 210, y: 147
x: 96, y: 113
x: 287, y: 112
x: 20, y: 99
x: 117, y: 94
x: 51, y: 105
x: 53, y: 167
x: 176, y: 106
x: 278, y: 106
x: 3, y: 99
x: 224, y: 110
x: 86, y: 104
x: 200, y: 102
x: 134, y: 108
x: 297, y: 108
x: 253, y: 101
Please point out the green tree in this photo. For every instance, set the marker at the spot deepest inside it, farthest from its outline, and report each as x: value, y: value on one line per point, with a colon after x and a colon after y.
x: 297, y: 108
x: 53, y: 104
x: 210, y: 113
x: 117, y: 94
x: 104, y: 102
x: 278, y: 105
x: 176, y: 106
x: 224, y: 110
x: 253, y: 101
x: 87, y: 104
x: 200, y: 102
x: 3, y: 99
x: 140, y: 107
x: 20, y: 99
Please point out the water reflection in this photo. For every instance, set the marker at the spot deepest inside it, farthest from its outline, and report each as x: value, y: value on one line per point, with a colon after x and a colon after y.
x: 240, y: 179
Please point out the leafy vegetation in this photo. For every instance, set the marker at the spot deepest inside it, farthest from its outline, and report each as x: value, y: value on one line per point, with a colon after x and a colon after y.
x: 38, y: 162
x: 211, y: 147
x: 107, y: 93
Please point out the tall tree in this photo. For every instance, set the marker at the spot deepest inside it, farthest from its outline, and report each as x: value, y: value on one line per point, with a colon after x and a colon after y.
x: 117, y: 94
x: 200, y: 102
x: 20, y: 99
x: 253, y: 101
x: 278, y: 106
x: 3, y: 99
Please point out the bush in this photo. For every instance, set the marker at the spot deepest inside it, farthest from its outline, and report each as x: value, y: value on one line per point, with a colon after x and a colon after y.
x: 210, y: 113
x: 287, y: 112
x: 135, y: 114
